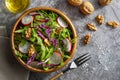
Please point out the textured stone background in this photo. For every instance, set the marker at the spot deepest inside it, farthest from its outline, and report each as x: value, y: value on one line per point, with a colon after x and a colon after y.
x: 104, y: 46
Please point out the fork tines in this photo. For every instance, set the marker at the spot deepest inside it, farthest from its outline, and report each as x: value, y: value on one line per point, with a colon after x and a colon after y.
x: 82, y: 59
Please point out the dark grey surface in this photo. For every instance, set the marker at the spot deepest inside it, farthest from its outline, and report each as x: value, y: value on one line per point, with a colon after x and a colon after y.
x: 104, y: 46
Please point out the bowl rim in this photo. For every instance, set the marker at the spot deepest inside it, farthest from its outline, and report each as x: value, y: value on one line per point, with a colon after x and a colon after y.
x: 64, y: 17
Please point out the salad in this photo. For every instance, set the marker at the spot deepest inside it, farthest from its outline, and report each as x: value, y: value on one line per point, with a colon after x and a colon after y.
x: 43, y: 39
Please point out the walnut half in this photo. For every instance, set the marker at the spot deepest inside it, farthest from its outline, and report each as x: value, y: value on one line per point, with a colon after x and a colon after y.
x: 87, y: 38
x: 31, y: 50
x: 91, y: 26
x: 28, y: 33
x: 113, y: 24
x: 100, y: 19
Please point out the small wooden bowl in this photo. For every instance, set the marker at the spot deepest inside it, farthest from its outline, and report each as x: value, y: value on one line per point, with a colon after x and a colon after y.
x: 67, y: 20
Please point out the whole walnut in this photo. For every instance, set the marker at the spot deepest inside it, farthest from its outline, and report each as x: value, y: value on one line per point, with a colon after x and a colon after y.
x: 104, y: 2
x: 86, y: 8
x: 75, y: 2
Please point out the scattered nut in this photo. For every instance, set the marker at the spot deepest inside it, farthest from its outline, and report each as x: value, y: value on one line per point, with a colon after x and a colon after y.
x: 87, y: 38
x: 104, y: 2
x: 113, y: 24
x: 91, y: 26
x: 86, y: 8
x: 28, y: 33
x: 47, y: 42
x: 100, y: 19
x: 75, y: 2
x: 31, y: 50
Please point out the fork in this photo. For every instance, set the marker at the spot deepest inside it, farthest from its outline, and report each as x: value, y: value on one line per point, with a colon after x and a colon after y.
x: 74, y: 64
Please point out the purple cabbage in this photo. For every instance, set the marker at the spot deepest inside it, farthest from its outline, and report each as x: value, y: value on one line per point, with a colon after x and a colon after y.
x: 31, y: 59
x: 44, y: 26
x: 41, y: 35
x: 54, y: 42
x: 48, y: 32
x: 47, y: 19
x: 40, y: 63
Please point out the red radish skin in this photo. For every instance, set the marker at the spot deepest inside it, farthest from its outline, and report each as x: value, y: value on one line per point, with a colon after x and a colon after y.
x: 56, y: 58
x: 58, y: 53
x: 62, y: 22
x: 34, y: 14
x: 43, y: 20
x: 24, y: 49
x: 26, y: 20
x: 68, y: 44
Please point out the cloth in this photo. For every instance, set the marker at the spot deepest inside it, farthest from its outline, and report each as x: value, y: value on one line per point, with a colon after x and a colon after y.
x: 10, y: 69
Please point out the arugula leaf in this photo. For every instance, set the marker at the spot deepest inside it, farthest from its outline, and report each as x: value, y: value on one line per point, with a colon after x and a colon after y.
x: 65, y: 33
x: 53, y: 33
x: 22, y: 56
x: 22, y: 30
x: 38, y: 17
x: 74, y: 40
x: 49, y: 52
x: 23, y: 41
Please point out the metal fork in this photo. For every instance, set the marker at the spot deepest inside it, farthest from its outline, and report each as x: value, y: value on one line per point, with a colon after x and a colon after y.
x: 74, y: 64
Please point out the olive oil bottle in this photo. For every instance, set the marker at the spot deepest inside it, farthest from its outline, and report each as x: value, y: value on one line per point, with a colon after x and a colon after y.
x: 16, y: 6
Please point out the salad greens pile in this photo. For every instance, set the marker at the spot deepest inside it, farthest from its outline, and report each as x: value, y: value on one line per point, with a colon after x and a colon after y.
x: 43, y: 37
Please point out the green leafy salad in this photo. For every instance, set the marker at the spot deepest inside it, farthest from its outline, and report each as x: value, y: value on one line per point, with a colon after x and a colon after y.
x: 43, y: 38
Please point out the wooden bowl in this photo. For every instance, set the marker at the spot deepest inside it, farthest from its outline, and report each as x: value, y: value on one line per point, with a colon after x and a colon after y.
x: 64, y: 17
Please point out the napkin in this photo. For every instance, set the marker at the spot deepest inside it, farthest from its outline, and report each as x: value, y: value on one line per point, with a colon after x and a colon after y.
x: 10, y: 69
x: 3, y: 31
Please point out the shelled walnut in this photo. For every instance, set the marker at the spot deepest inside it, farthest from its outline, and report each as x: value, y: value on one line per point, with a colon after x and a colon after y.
x: 113, y: 24
x: 58, y: 30
x: 47, y: 42
x: 104, y: 2
x: 100, y: 19
x: 87, y: 38
x: 28, y: 33
x: 31, y: 50
x: 86, y: 8
x: 75, y: 2
x: 91, y: 26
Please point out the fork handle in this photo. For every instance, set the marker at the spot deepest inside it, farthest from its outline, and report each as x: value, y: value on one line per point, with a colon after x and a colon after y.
x: 56, y: 76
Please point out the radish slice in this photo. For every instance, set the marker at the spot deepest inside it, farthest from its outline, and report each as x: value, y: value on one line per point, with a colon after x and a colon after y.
x: 25, y: 48
x: 62, y: 22
x: 34, y: 13
x: 68, y: 44
x: 56, y: 58
x: 43, y: 20
x: 27, y: 20
x: 34, y: 64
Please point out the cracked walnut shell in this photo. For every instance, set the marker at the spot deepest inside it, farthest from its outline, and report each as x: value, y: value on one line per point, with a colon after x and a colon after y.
x: 91, y: 26
x: 86, y: 8
x: 87, y: 38
x: 113, y: 24
x: 75, y: 2
x: 104, y: 2
x: 100, y: 19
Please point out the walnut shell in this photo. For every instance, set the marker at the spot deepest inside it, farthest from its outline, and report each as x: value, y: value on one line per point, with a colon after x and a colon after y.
x: 86, y: 8
x: 75, y: 2
x: 104, y: 2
